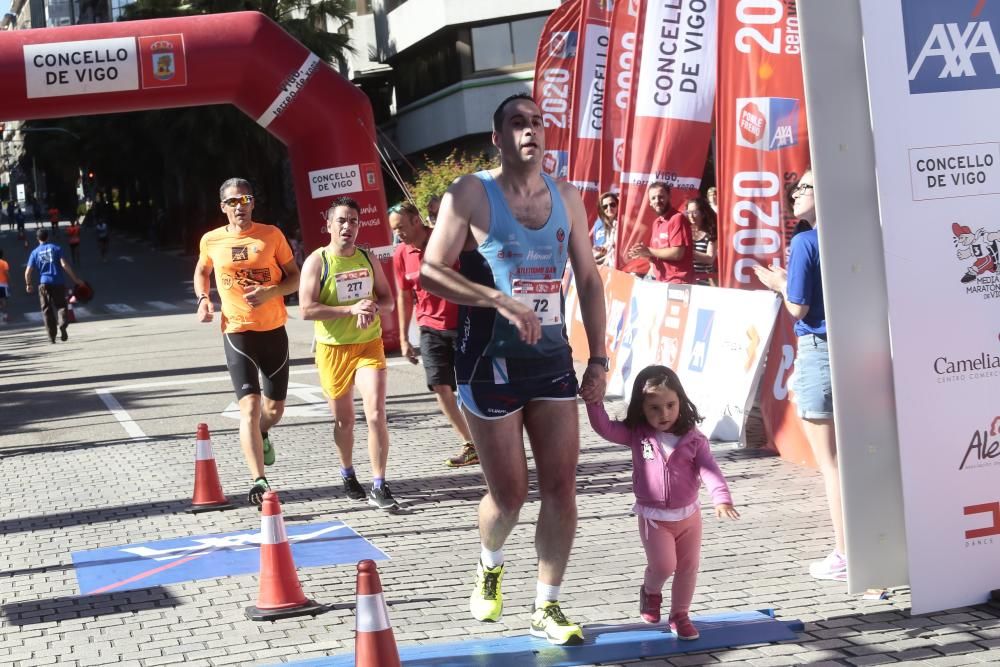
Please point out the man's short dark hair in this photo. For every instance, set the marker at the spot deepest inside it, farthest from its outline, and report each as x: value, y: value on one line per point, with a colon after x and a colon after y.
x: 42, y: 235
x: 234, y: 183
x: 659, y: 184
x: 343, y: 201
x: 498, y: 114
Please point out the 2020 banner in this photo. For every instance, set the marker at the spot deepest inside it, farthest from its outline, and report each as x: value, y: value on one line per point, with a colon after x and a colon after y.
x: 762, y: 149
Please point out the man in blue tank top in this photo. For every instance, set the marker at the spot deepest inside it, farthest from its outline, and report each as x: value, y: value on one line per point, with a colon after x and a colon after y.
x: 512, y: 229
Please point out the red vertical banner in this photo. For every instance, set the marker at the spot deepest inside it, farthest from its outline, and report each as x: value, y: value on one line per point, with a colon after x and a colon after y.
x: 588, y: 104
x: 670, y: 112
x: 555, y: 74
x: 621, y: 58
x: 762, y: 148
x: 762, y: 142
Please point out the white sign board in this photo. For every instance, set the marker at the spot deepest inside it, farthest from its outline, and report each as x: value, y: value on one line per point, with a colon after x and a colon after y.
x: 934, y: 87
x: 81, y: 68
x: 335, y: 181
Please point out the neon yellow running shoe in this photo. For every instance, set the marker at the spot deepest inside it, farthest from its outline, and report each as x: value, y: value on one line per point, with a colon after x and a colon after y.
x: 486, y: 602
x: 549, y: 623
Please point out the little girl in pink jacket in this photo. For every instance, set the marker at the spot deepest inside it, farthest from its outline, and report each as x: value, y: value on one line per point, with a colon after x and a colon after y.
x: 670, y: 459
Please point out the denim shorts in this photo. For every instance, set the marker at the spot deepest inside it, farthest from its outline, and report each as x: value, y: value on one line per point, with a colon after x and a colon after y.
x: 811, y: 384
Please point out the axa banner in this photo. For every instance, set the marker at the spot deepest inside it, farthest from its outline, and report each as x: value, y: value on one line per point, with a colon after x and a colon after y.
x: 926, y: 59
x: 714, y: 339
x: 618, y: 91
x: 762, y: 149
x: 555, y: 72
x: 134, y: 566
x: 669, y: 123
x: 589, y: 91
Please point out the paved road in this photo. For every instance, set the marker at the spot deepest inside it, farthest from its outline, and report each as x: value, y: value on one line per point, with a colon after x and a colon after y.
x: 78, y: 477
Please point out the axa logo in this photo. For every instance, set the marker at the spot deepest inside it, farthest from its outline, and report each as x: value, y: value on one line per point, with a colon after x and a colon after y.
x: 767, y: 123
x: 951, y: 45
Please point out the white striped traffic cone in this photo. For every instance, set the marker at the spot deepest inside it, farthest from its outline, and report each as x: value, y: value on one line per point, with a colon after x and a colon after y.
x: 208, y: 493
x: 374, y: 643
x: 279, y: 595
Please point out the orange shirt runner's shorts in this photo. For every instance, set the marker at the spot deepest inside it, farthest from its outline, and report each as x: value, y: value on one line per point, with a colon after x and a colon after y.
x: 244, y: 260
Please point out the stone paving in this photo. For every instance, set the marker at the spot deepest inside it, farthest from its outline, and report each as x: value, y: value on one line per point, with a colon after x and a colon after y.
x: 75, y: 480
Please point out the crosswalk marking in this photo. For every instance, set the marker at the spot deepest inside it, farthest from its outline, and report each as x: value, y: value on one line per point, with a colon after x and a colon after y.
x: 105, y: 309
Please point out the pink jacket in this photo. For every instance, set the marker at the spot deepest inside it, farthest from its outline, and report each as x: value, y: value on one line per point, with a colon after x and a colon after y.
x: 669, y: 484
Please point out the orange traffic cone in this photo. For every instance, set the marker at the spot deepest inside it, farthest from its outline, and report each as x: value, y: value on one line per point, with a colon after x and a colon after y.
x: 280, y: 594
x: 374, y: 643
x: 208, y: 493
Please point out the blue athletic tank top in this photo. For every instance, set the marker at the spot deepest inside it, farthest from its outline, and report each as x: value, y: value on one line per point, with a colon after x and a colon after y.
x: 528, y: 265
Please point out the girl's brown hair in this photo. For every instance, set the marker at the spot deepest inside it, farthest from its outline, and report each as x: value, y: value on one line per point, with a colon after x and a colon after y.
x: 661, y: 376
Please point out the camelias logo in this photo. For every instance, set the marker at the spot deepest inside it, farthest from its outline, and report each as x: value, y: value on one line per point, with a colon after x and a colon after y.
x: 977, y: 250
x: 984, y: 448
x: 954, y: 369
x: 951, y: 45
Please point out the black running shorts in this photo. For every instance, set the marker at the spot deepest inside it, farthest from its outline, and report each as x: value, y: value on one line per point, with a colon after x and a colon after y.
x: 437, y: 354
x: 256, y: 360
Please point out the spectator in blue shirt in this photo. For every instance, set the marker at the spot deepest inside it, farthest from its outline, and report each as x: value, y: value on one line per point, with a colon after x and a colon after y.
x: 802, y: 289
x: 52, y: 268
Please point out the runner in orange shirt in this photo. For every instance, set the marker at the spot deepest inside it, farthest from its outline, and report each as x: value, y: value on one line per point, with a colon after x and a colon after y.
x: 73, y: 238
x: 254, y: 270
x: 4, y: 287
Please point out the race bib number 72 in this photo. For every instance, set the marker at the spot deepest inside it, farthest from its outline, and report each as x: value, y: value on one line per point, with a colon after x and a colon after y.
x: 542, y: 296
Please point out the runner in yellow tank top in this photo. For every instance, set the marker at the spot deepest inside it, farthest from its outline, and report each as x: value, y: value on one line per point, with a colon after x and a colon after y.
x: 344, y: 291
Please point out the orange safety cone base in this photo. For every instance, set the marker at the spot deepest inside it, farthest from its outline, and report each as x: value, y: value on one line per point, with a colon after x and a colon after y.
x: 210, y: 507
x: 376, y: 649
x: 310, y: 608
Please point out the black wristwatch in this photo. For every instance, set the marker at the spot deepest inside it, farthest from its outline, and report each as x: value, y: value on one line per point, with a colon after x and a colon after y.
x: 603, y: 362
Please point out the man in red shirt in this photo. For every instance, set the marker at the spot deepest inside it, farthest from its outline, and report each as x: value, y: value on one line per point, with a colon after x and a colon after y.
x: 437, y: 319
x: 670, y: 251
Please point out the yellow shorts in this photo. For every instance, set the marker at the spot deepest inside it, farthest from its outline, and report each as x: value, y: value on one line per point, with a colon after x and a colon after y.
x: 337, y: 364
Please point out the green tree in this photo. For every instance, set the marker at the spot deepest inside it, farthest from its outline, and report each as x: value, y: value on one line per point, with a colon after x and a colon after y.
x: 435, y: 176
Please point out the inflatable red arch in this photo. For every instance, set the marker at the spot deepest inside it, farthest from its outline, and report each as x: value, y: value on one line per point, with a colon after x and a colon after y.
x: 240, y: 58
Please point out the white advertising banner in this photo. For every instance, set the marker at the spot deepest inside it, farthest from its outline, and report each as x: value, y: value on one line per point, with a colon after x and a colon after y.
x: 934, y: 87
x: 714, y: 338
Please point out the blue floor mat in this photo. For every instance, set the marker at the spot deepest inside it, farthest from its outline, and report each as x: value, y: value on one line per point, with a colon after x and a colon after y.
x: 605, y: 643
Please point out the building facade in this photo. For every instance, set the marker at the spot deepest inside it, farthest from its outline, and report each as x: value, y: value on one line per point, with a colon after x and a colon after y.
x: 435, y: 69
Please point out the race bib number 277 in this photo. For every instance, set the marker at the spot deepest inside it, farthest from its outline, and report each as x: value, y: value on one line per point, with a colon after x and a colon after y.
x: 354, y: 285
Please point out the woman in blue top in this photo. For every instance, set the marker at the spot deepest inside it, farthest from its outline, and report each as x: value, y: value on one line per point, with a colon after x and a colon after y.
x: 802, y: 288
